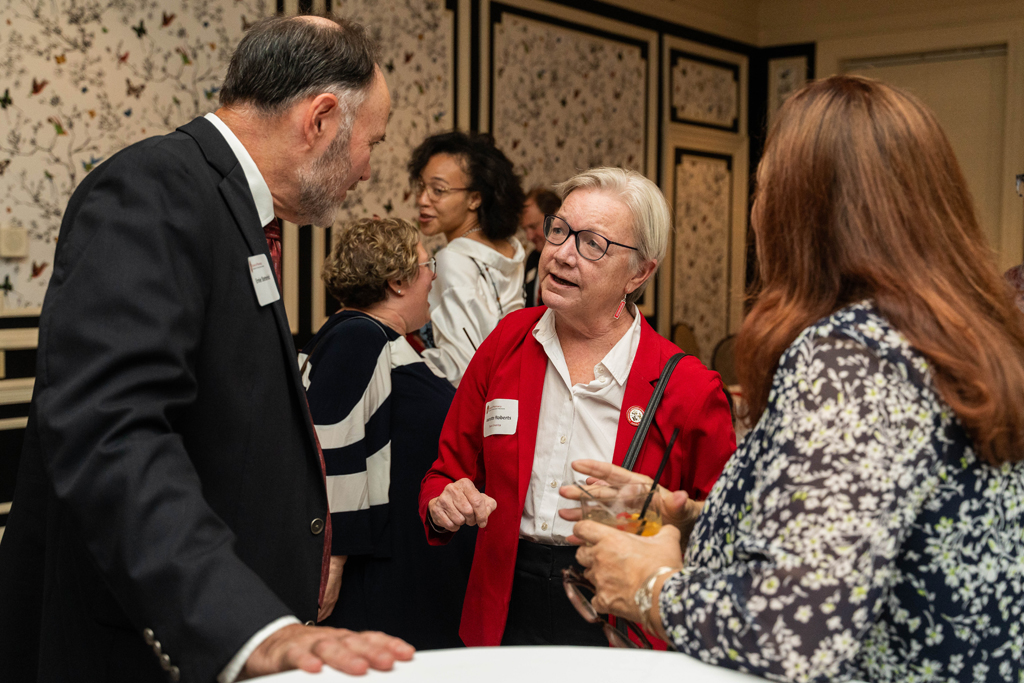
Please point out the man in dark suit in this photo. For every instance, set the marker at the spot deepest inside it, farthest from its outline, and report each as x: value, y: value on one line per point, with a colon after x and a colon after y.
x: 171, y: 516
x: 540, y: 201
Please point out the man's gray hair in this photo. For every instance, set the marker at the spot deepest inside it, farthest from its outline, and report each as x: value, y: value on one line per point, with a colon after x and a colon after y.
x: 652, y: 221
x: 284, y: 60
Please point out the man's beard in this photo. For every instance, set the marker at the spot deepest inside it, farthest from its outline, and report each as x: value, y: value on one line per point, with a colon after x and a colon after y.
x: 320, y: 180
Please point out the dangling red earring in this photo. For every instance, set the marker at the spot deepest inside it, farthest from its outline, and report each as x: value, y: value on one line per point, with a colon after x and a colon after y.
x: 618, y: 311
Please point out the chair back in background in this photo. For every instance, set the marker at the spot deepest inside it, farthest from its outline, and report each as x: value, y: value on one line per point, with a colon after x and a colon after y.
x: 723, y: 360
x: 682, y: 336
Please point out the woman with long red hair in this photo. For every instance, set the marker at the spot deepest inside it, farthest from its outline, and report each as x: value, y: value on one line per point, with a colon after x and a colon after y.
x: 871, y: 525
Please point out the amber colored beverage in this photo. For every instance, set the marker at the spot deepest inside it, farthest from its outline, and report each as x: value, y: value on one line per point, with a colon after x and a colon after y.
x: 619, y: 506
x: 631, y: 524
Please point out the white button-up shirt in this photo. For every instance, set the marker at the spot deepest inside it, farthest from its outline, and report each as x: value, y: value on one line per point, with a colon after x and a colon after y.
x: 576, y: 422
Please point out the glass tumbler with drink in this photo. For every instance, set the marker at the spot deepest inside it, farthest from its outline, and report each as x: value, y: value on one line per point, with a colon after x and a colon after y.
x: 620, y: 507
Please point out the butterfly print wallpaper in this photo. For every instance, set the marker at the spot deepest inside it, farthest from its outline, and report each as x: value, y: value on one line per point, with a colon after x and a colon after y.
x: 417, y: 37
x: 700, y: 278
x: 566, y: 100
x: 80, y: 81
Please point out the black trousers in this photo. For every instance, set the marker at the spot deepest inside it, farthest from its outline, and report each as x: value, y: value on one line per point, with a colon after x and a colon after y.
x: 539, y: 613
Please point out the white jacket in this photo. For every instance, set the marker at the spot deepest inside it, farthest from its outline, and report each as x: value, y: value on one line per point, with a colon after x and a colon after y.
x: 475, y: 287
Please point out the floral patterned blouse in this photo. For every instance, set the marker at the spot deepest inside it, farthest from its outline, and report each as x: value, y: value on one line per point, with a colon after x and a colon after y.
x: 854, y: 535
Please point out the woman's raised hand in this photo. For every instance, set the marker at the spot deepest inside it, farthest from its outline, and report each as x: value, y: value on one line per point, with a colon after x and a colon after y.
x: 459, y: 504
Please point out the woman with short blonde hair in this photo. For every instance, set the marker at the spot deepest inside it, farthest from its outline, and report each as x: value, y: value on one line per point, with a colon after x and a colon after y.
x: 650, y: 218
x: 572, y: 379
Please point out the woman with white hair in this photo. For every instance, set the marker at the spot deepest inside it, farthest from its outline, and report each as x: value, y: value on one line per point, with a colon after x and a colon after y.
x: 561, y: 382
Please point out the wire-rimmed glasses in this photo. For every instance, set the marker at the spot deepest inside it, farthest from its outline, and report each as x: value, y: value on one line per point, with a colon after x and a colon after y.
x: 430, y: 263
x: 435, y: 191
x: 589, y: 244
x: 574, y: 584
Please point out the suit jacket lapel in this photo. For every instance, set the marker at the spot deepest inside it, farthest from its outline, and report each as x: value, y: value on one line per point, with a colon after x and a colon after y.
x: 235, y: 191
x: 643, y: 376
x: 234, y: 187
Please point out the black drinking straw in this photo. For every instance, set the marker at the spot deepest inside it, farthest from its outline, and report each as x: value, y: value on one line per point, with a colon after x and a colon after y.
x: 650, y: 494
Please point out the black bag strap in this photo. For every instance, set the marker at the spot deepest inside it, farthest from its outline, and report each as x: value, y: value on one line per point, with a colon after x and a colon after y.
x: 652, y: 405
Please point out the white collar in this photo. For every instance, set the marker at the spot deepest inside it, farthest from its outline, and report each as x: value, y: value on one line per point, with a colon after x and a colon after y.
x: 257, y: 185
x: 617, y: 362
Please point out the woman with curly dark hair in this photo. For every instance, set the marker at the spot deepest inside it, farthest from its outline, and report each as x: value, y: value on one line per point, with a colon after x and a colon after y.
x: 466, y: 189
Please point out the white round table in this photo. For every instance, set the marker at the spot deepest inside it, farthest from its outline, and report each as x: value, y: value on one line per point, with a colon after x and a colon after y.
x: 533, y: 665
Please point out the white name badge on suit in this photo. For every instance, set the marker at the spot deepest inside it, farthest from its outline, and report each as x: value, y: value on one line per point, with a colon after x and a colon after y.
x: 263, y: 279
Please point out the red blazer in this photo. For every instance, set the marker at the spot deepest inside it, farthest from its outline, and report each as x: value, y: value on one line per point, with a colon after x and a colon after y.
x: 510, y: 364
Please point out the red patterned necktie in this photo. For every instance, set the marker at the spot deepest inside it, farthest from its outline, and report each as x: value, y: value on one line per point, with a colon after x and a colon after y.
x: 273, y: 234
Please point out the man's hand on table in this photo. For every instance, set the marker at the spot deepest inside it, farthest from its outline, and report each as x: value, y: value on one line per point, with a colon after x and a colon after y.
x: 310, y: 647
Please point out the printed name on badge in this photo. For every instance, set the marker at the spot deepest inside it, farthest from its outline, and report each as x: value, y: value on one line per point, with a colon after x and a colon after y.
x: 263, y: 280
x: 501, y: 416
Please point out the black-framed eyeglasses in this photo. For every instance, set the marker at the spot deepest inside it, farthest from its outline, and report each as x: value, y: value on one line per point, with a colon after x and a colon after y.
x: 430, y: 263
x: 574, y: 584
x: 435, y: 191
x: 589, y: 244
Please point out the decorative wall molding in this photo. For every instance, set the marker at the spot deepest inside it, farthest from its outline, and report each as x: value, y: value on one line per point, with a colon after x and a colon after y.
x: 30, y: 312
x: 704, y: 91
x: 786, y: 75
x: 704, y: 175
x: 290, y: 269
x: 566, y: 98
x: 567, y: 90
x: 701, y: 246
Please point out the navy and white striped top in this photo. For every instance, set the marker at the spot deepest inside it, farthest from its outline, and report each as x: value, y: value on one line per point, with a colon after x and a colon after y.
x: 378, y: 410
x: 348, y: 382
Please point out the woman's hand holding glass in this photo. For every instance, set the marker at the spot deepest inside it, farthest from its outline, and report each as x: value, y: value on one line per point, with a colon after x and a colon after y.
x: 675, y: 507
x: 459, y: 504
x: 617, y: 563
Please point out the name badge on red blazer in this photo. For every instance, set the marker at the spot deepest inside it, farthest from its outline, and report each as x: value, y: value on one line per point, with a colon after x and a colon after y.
x: 501, y: 416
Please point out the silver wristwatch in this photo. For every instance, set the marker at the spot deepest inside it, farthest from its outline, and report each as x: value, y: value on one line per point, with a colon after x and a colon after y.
x: 645, y: 600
